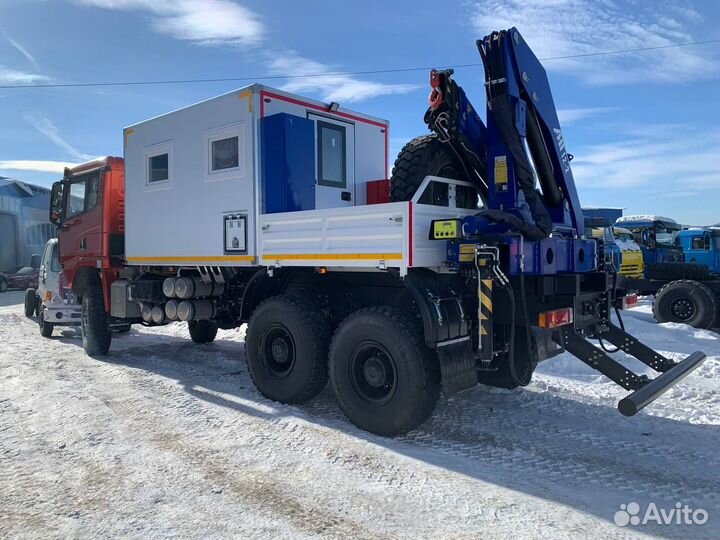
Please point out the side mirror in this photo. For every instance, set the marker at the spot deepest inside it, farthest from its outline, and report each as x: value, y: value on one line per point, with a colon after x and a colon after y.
x: 56, y: 203
x: 35, y: 261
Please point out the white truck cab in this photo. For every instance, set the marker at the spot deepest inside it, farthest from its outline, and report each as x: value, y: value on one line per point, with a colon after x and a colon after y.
x: 48, y: 302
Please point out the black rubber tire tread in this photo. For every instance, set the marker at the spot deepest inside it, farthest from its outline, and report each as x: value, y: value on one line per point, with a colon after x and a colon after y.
x: 203, y: 331
x: 422, y: 156
x: 502, y: 378
x: 706, y: 304
x: 94, y: 327
x: 46, y: 328
x: 311, y: 330
x: 418, y: 392
x: 671, y: 271
x: 31, y: 302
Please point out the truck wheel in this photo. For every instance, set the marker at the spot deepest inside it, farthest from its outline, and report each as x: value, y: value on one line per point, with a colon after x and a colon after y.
x: 94, y: 327
x: 31, y: 302
x: 686, y: 302
x: 46, y: 328
x: 525, y: 363
x: 386, y: 379
x: 669, y: 271
x: 286, y: 349
x: 203, y: 331
x: 423, y: 156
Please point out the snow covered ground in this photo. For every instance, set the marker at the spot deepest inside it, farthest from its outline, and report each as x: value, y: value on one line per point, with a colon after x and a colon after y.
x: 165, y: 438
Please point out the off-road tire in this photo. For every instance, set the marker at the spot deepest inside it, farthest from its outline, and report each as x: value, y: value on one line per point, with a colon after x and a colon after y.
x: 203, y: 331
x: 423, y: 156
x: 416, y: 378
x: 31, y: 302
x: 94, y: 323
x: 304, y: 331
x: 671, y: 271
x: 685, y: 296
x: 46, y: 328
x: 525, y: 364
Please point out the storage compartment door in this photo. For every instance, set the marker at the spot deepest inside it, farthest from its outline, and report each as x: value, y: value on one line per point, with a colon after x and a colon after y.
x: 335, y: 162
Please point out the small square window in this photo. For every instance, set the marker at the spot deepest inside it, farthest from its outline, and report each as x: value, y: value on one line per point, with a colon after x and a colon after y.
x: 158, y: 168
x: 224, y: 154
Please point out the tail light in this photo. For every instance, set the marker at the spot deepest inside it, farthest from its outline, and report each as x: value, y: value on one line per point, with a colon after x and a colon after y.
x: 629, y: 300
x: 555, y: 318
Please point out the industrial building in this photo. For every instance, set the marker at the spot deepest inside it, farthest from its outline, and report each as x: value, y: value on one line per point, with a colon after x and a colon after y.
x: 24, y: 225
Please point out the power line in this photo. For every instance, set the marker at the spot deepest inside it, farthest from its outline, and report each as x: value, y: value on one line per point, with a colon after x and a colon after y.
x: 338, y: 73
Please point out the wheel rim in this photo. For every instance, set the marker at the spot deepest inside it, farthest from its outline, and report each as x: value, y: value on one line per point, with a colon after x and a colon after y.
x: 683, y: 309
x: 3, y: 286
x: 278, y: 351
x: 373, y: 374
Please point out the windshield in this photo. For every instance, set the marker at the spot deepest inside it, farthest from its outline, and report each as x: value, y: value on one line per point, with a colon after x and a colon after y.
x: 625, y: 237
x: 665, y: 236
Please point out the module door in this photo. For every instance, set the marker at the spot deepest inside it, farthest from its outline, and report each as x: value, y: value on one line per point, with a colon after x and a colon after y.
x: 335, y: 162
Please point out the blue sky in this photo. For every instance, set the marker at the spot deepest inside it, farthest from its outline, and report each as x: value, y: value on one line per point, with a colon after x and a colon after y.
x: 644, y: 127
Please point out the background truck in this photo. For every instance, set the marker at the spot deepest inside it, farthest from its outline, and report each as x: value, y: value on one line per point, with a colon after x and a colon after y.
x: 253, y: 208
x: 686, y: 292
x: 631, y: 257
x: 49, y: 301
x: 656, y: 236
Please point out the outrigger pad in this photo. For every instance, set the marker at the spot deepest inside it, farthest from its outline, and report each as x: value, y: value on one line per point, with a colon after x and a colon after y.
x: 653, y: 389
x: 645, y: 390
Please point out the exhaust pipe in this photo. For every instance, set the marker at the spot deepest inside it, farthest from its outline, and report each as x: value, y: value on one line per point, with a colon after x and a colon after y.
x: 195, y: 310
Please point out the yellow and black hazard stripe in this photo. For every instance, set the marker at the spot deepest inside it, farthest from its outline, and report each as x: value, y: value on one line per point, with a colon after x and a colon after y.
x: 485, y: 309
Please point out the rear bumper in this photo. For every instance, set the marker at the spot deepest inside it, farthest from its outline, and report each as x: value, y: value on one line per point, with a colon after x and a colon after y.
x: 62, y: 314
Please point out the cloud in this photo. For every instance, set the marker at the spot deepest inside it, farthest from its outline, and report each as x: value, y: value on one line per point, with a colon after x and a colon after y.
x: 340, y: 88
x: 568, y: 116
x: 662, y: 165
x: 49, y: 130
x: 224, y: 22
x: 11, y: 77
x: 35, y: 165
x: 22, y: 50
x: 556, y: 28
x: 209, y: 22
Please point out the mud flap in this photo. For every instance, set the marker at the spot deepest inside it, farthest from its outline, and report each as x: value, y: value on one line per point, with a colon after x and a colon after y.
x: 457, y: 366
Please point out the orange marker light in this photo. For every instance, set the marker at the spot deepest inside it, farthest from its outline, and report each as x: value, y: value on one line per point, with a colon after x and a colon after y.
x: 555, y: 318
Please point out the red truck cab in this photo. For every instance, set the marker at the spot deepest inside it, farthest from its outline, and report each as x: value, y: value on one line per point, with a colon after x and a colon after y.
x: 88, y: 207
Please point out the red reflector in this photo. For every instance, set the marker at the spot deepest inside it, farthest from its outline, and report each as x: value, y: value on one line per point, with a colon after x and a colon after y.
x: 629, y: 301
x: 555, y: 318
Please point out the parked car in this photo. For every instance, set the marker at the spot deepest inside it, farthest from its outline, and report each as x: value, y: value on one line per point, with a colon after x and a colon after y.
x: 49, y: 301
x: 21, y: 278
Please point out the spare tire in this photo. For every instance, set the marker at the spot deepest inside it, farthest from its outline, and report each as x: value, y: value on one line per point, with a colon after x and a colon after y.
x: 671, y: 271
x: 428, y: 156
x: 31, y: 302
x: 687, y: 302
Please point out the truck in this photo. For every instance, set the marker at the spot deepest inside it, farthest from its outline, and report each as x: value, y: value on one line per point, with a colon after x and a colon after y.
x: 685, y: 292
x: 255, y: 208
x: 631, y: 257
x: 48, y: 301
x: 656, y: 237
